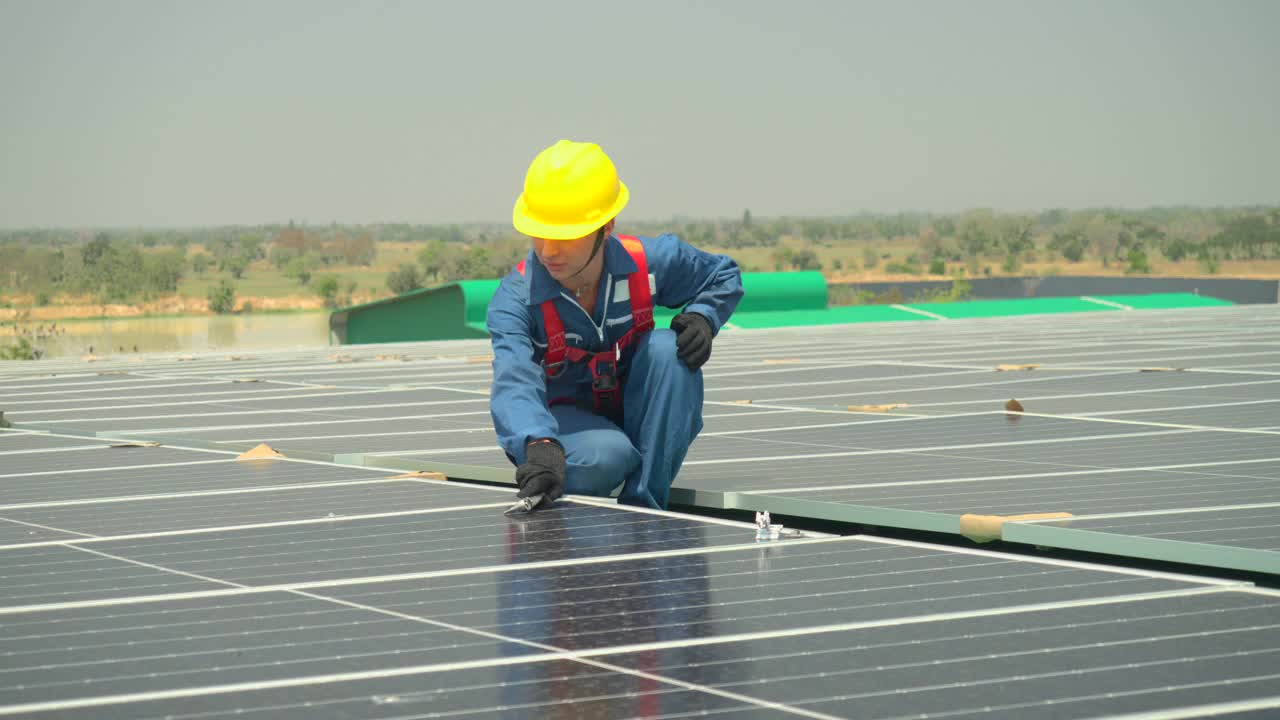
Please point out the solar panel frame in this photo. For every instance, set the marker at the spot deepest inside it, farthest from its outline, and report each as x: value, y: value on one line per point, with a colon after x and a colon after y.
x: 1215, y: 537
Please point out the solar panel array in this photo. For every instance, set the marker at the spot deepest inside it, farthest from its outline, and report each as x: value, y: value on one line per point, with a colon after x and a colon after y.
x: 175, y: 580
x: 899, y: 425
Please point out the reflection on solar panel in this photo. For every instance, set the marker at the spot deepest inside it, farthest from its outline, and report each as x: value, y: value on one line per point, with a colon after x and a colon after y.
x: 175, y: 580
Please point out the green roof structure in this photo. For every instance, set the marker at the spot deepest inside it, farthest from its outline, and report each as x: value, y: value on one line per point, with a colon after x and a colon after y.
x: 456, y: 310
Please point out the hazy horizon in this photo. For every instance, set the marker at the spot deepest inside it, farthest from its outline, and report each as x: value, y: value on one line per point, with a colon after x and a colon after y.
x: 163, y: 115
x: 298, y: 222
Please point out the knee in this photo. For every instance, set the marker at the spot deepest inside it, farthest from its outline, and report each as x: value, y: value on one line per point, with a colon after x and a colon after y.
x: 597, y: 467
x: 658, y: 348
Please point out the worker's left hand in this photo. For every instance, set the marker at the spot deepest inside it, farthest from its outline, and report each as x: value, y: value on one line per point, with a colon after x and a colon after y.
x: 693, y: 338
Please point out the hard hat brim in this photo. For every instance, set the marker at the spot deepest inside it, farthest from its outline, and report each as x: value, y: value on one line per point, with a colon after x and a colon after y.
x: 527, y: 224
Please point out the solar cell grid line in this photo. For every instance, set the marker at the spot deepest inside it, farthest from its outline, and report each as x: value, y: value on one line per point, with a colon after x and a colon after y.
x: 956, y: 356
x: 797, y: 472
x: 44, y: 502
x: 471, y: 421
x: 67, y: 390
x: 1060, y: 354
x: 803, y: 472
x: 1268, y: 406
x: 101, y: 379
x: 1260, y: 368
x: 65, y: 574
x: 244, y: 403
x: 1252, y: 421
x: 912, y: 387
x: 331, y: 503
x: 364, y: 377
x: 877, y: 675
x: 51, y: 410
x: 401, y: 452
x: 387, y: 546
x: 1081, y: 493
x: 1175, y: 522
x: 96, y: 468
x: 779, y: 591
x: 1042, y: 382
x: 128, y: 599
x: 1136, y: 449
x: 275, y: 636
x: 887, y: 431
x: 778, y: 368
x: 1133, y: 421
x: 1257, y: 709
x: 765, y: 446
x: 546, y: 684
x: 1163, y: 364
x: 215, y: 392
x: 82, y: 540
x: 16, y: 532
x: 96, y: 455
x: 791, y: 380
x: 1214, y: 355
x: 452, y: 436
x: 795, y: 420
x: 190, y: 422
x: 802, y: 348
x: 295, y: 421
x: 985, y: 610
x: 659, y: 681
x: 316, y: 364
x: 109, y: 482
x: 819, y: 469
x: 723, y: 405
x: 970, y: 400
x: 1090, y: 404
x: 349, y: 400
x: 20, y: 439
x: 1265, y: 468
x: 382, y: 546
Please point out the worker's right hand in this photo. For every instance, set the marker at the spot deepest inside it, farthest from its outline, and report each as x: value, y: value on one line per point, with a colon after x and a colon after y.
x: 542, y: 472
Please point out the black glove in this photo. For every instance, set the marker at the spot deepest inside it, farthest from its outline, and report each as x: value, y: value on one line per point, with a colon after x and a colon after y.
x: 693, y: 338
x: 542, y: 472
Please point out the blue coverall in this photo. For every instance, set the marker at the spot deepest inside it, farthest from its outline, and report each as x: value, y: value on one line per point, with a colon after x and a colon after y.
x: 662, y: 398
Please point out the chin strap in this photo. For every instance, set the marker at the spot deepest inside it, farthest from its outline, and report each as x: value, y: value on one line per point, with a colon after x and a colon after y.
x: 594, y: 251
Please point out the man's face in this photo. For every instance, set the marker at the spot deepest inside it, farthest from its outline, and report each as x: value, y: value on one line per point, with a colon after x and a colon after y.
x: 564, y: 258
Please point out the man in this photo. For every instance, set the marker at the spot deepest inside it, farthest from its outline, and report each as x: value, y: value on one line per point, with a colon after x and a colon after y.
x: 587, y: 395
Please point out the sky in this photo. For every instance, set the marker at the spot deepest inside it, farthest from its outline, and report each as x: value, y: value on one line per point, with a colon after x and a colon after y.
x: 184, y: 114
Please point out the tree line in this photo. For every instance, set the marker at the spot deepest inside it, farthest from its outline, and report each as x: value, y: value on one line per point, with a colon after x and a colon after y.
x: 129, y: 265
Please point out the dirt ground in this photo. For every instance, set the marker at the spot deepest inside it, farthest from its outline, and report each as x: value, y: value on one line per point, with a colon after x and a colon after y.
x: 21, y: 307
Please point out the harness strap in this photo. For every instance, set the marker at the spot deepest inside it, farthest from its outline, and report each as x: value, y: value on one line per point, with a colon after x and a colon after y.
x: 641, y: 298
x: 559, y: 351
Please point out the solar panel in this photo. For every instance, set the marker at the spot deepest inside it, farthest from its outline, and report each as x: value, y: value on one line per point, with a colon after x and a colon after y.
x: 177, y: 581
x: 1244, y: 414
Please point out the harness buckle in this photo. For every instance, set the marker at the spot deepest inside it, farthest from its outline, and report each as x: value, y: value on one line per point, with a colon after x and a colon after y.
x: 555, y: 369
x: 605, y: 385
x: 604, y: 371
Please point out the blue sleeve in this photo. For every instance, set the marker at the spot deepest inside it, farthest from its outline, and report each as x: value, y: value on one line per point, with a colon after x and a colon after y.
x: 518, y: 397
x: 701, y: 282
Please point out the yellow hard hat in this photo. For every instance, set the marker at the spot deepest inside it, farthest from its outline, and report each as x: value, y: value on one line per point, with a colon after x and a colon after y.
x: 571, y: 190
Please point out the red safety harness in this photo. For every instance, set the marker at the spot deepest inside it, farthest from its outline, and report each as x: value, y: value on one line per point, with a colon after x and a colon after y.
x: 605, y: 384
